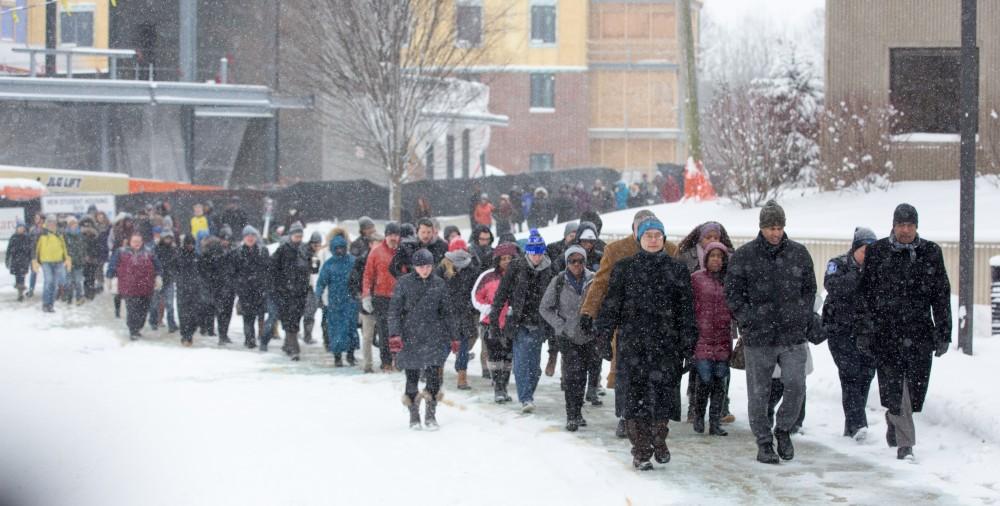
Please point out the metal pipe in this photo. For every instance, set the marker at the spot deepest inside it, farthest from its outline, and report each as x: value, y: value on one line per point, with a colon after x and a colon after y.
x: 969, y: 125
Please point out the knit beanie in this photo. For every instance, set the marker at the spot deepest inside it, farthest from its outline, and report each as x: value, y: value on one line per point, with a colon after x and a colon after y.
x: 365, y: 223
x: 505, y: 249
x: 422, y: 257
x: 708, y: 228
x: 575, y: 249
x: 296, y: 228
x: 536, y: 245
x: 457, y: 244
x: 904, y: 213
x: 772, y: 215
x: 249, y: 230
x: 863, y: 237
x: 571, y: 227
x: 391, y: 228
x: 316, y: 238
x: 650, y: 224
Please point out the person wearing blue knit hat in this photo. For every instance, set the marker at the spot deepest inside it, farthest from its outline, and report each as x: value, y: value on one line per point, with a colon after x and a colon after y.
x: 522, y: 288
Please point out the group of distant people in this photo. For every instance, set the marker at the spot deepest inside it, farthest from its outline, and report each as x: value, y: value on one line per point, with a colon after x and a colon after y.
x: 658, y: 311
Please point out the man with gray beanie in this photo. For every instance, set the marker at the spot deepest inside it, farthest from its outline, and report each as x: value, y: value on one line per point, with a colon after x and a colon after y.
x: 556, y: 249
x: 359, y: 247
x: 770, y: 289
x: 856, y: 370
x: 904, y: 319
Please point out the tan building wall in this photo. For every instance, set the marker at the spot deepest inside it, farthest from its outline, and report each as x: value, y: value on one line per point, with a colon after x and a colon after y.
x: 859, y: 36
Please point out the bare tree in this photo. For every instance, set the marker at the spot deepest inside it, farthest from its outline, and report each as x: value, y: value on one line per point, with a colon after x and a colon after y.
x: 857, y: 146
x: 388, y: 64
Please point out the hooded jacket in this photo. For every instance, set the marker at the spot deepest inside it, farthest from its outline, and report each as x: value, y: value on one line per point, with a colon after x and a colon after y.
x: 562, y: 310
x: 523, y: 286
x: 335, y: 274
x: 715, y: 321
x: 485, y: 254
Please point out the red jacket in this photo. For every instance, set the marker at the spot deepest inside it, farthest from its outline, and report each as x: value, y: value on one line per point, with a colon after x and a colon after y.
x: 715, y: 338
x: 377, y: 280
x: 483, y: 293
x: 136, y: 272
x: 484, y: 213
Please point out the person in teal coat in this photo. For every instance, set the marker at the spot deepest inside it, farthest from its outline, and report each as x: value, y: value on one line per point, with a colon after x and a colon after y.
x: 341, y: 306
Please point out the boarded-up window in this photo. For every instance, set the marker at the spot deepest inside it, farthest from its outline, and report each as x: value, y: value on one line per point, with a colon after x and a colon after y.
x: 924, y: 88
x: 469, y: 25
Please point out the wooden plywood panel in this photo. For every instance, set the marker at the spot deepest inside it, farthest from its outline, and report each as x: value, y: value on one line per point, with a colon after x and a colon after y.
x: 664, y: 25
x: 614, y: 153
x: 664, y: 151
x: 637, y: 19
x: 663, y: 99
x: 607, y: 98
x: 639, y: 155
x: 637, y: 100
x: 612, y: 21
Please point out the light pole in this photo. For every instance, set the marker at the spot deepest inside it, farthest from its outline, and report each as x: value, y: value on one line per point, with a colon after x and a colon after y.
x: 969, y: 125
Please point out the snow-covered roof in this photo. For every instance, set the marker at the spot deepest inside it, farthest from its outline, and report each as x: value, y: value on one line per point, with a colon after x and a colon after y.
x: 27, y: 184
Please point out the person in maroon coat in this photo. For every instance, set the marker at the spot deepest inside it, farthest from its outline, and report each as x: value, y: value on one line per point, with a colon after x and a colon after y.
x: 715, y: 338
x: 138, y: 272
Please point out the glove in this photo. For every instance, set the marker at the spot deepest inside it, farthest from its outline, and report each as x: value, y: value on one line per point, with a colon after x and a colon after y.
x: 113, y: 286
x: 455, y: 345
x: 395, y: 344
x: 69, y: 264
x: 366, y: 304
x: 158, y: 283
x: 942, y: 348
x: 586, y: 325
x: 35, y: 266
x: 864, y: 346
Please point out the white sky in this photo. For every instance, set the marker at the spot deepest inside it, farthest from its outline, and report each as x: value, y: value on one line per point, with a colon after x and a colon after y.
x: 780, y: 11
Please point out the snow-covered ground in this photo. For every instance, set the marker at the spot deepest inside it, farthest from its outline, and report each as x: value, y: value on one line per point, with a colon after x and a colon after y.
x: 830, y: 215
x: 91, y: 418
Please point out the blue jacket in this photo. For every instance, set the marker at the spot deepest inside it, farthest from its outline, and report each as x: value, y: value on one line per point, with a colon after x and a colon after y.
x: 335, y: 274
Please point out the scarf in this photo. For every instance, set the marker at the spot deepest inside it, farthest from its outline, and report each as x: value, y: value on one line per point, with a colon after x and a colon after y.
x: 911, y: 248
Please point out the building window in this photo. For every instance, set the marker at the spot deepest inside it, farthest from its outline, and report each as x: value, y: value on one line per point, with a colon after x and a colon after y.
x: 543, y: 22
x: 924, y: 88
x: 543, y: 91
x: 468, y: 23
x: 76, y: 26
x: 541, y: 162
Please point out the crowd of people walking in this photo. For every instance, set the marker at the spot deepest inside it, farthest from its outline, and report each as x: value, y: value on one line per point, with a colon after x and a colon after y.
x: 658, y: 311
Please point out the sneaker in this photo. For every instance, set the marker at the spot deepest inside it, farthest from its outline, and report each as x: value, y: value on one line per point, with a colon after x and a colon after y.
x: 728, y: 418
x: 601, y: 391
x: 29, y: 294
x: 527, y: 407
x: 785, y: 448
x: 79, y: 302
x: 766, y: 455
x: 186, y: 343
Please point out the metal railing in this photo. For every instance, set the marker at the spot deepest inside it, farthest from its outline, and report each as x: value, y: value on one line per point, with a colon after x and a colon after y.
x: 995, y: 298
x: 113, y: 55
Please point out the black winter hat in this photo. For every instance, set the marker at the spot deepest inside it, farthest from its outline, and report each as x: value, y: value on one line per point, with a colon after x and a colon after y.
x: 391, y: 228
x: 422, y: 257
x: 863, y: 237
x: 406, y: 230
x: 296, y: 228
x: 904, y: 213
x: 316, y: 238
x: 772, y: 215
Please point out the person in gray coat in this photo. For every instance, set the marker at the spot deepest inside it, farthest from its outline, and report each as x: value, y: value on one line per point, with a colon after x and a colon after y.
x: 420, y: 327
x: 560, y: 307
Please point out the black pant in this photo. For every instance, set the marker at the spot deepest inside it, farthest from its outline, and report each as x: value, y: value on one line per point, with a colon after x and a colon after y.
x: 136, y: 311
x: 777, y: 392
x: 381, y: 306
x: 251, y: 311
x: 89, y: 278
x: 578, y: 362
x: 290, y: 309
x: 500, y: 351
x: 854, y: 388
x: 222, y: 303
x: 432, y: 381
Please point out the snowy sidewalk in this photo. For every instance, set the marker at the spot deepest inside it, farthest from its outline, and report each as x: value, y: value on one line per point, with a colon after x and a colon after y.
x: 93, y: 419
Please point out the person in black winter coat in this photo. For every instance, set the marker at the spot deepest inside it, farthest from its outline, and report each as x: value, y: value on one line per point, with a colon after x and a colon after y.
x: 250, y: 270
x: 771, y: 290
x: 856, y: 370
x: 555, y: 250
x: 421, y: 325
x: 193, y: 298
x: 460, y: 270
x: 904, y: 320
x: 18, y: 259
x: 234, y: 217
x: 359, y: 247
x: 522, y: 287
x: 426, y: 238
x: 291, y: 267
x: 481, y: 246
x: 565, y: 205
x: 650, y: 305
x: 588, y: 237
x: 541, y: 212
x: 163, y: 299
x: 217, y: 269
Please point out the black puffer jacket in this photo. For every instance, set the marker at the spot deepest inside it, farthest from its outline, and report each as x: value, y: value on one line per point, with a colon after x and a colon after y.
x: 167, y: 257
x: 842, y: 280
x: 291, y: 267
x: 251, y: 270
x: 19, y: 252
x: 650, y: 304
x: 419, y: 312
x: 522, y: 287
x: 771, y: 291
x: 402, y: 264
x: 192, y: 291
x: 216, y: 265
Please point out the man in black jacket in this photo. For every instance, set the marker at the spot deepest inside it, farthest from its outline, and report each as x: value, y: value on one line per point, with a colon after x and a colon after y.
x: 250, y: 268
x: 904, y: 318
x: 522, y: 287
x: 163, y: 299
x: 856, y: 370
x: 291, y: 266
x: 771, y: 289
x: 359, y: 247
x: 427, y: 239
x: 481, y: 246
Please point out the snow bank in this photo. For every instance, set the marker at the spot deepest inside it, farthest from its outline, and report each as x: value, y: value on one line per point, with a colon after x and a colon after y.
x: 829, y: 215
x: 995, y: 261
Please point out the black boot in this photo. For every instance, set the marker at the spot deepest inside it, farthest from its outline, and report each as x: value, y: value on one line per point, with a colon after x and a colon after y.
x: 620, y: 431
x: 224, y: 340
x: 904, y: 452
x: 250, y: 343
x: 413, y: 405
x: 350, y: 359
x: 307, y: 332
x: 499, y: 387
x: 337, y: 361
x: 785, y: 448
x: 20, y: 293
x: 661, y: 453
x: 766, y: 455
x: 430, y: 410
x: 701, y: 394
x: 718, y: 398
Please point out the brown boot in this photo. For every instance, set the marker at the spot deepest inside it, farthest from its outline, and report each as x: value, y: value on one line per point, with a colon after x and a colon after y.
x: 660, y: 451
x: 292, y: 345
x: 641, y: 436
x: 463, y: 381
x: 550, y: 366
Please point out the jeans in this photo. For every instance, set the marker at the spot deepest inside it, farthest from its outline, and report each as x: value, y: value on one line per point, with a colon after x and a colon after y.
x: 271, y: 321
x: 466, y: 333
x: 708, y: 369
x: 53, y: 273
x: 32, y: 278
x: 760, y: 362
x: 163, y: 296
x: 74, y: 284
x: 527, y: 361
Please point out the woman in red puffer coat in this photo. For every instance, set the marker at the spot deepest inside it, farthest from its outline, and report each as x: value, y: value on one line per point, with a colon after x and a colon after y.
x: 715, y: 338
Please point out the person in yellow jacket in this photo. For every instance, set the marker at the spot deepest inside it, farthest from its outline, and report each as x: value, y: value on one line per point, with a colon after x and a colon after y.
x: 199, y: 221
x: 53, y: 260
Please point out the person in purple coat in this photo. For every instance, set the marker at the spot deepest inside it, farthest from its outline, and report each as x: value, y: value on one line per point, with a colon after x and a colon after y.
x: 715, y: 338
x: 138, y: 272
